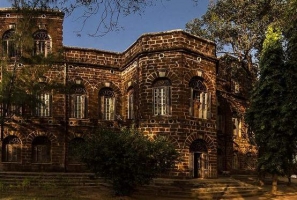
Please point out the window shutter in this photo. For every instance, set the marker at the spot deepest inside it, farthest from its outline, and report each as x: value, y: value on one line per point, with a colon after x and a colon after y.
x: 83, y: 105
x: 112, y: 111
x: 205, y: 106
x: 209, y: 106
x: 191, y: 108
x: 168, y: 102
x: 48, y: 48
x: 201, y: 107
x: 72, y: 104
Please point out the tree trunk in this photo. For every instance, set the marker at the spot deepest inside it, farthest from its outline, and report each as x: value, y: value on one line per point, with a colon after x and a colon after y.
x: 274, y: 184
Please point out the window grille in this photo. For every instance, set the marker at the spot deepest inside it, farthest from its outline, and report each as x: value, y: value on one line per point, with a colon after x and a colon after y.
x: 200, y: 100
x: 161, y: 97
x: 107, y: 103
x: 42, y: 43
x: 44, y: 106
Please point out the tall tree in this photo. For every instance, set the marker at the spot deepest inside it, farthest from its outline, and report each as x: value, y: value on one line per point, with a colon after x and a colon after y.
x: 265, y: 115
x: 238, y: 27
x: 20, y: 70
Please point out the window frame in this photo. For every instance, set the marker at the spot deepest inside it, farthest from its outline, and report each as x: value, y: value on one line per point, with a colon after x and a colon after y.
x: 78, y: 102
x: 108, y: 102
x: 11, y: 149
x: 43, y: 108
x: 200, y: 99
x: 42, y: 43
x: 130, y: 104
x: 8, y: 44
x: 41, y: 150
x: 162, y: 97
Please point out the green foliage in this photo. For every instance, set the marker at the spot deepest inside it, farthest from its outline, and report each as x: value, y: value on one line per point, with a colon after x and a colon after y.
x: 127, y: 158
x: 238, y: 27
x: 267, y: 114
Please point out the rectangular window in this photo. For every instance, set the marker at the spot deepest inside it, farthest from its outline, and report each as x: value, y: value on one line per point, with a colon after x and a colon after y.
x: 162, y: 101
x: 44, y: 107
x: 12, y: 152
x: 108, y: 108
x: 41, y: 154
x: 200, y: 104
x: 79, y: 106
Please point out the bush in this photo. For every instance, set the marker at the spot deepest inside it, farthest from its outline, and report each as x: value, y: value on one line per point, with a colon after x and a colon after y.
x: 127, y: 158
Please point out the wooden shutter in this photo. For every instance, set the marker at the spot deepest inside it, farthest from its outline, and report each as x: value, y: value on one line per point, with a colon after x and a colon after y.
x: 209, y: 106
x: 191, y: 164
x: 191, y: 108
x: 201, y: 107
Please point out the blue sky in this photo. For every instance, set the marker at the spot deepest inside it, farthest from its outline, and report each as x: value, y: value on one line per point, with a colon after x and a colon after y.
x: 164, y: 16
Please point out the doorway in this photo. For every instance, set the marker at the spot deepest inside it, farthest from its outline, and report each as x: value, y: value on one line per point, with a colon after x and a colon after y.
x: 199, y: 157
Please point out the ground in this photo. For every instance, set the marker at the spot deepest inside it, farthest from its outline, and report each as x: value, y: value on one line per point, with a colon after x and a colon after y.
x: 103, y: 193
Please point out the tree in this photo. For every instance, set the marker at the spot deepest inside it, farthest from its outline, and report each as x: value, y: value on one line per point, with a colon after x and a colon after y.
x: 127, y: 158
x: 20, y: 70
x: 238, y: 27
x: 265, y: 114
x: 106, y: 12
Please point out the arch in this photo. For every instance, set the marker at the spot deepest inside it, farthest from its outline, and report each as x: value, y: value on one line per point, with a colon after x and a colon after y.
x: 194, y: 136
x: 208, y: 81
x: 198, y: 145
x: 167, y: 74
x: 52, y: 137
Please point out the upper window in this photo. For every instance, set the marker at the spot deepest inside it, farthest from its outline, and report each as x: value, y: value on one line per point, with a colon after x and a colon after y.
x: 11, y: 149
x: 43, y: 108
x: 200, y: 99
x: 42, y: 43
x: 130, y: 105
x: 8, y: 44
x: 107, y: 99
x: 78, y: 102
x: 161, y: 95
x: 41, y: 150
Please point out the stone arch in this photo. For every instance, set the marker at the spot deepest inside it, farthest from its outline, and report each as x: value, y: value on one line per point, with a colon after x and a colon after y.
x: 82, y: 135
x: 115, y: 88
x: 209, y: 82
x: 162, y: 74
x: 53, y: 138
x: 8, y: 133
x: 194, y: 136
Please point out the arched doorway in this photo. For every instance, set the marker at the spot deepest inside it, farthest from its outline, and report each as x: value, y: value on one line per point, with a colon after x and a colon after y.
x: 199, y: 157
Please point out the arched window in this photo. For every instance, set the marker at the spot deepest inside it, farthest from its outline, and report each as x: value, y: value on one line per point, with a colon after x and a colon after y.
x: 43, y: 108
x: 8, y: 44
x: 200, y: 100
x: 162, y: 96
x: 78, y: 102
x: 11, y: 149
x: 107, y: 98
x: 42, y: 43
x: 130, y: 99
x: 41, y: 150
x: 73, y: 148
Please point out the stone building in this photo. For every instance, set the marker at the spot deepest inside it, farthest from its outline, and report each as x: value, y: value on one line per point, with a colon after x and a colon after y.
x: 168, y: 83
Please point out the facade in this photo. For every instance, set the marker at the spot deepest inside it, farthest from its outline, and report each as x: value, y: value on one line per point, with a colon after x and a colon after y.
x: 169, y: 83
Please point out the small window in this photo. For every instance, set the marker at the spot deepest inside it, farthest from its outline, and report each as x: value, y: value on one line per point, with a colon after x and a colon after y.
x: 41, y: 150
x: 43, y: 108
x: 130, y: 98
x: 161, y: 95
x: 78, y: 102
x: 11, y: 149
x: 200, y: 100
x: 42, y: 43
x: 107, y: 98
